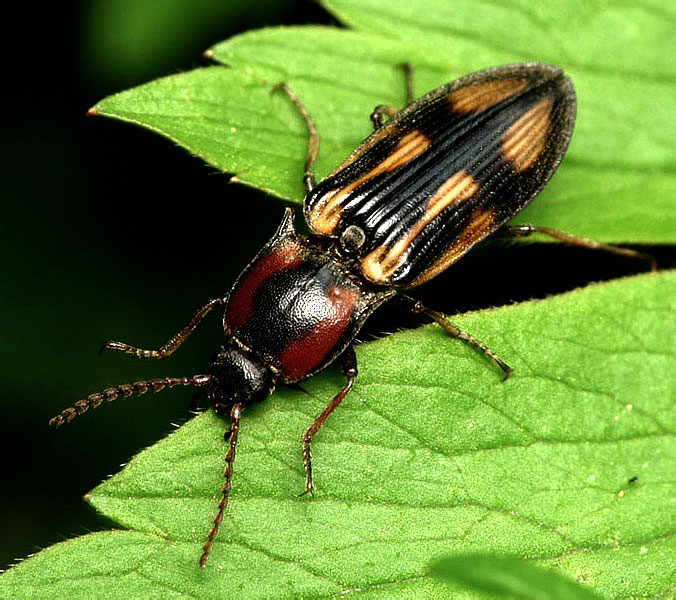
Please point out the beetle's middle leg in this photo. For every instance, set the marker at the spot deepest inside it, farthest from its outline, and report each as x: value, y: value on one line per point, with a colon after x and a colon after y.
x: 452, y: 330
x: 313, y: 140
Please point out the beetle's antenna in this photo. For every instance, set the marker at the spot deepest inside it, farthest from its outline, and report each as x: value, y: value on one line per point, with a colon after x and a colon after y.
x: 125, y: 390
x: 235, y: 414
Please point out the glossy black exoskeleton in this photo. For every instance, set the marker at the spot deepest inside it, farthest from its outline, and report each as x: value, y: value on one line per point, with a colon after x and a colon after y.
x: 432, y: 181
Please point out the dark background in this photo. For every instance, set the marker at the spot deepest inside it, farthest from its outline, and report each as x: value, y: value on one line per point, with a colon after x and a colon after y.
x: 111, y: 232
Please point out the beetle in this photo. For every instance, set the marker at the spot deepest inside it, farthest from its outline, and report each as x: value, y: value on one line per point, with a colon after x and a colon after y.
x: 431, y: 181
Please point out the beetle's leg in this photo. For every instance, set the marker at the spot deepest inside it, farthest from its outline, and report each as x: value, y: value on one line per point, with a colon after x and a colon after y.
x: 125, y: 390
x: 580, y: 242
x: 349, y: 369
x: 390, y: 111
x: 172, y: 344
x: 235, y: 414
x: 452, y: 330
x: 313, y: 141
x: 379, y: 111
x: 408, y: 77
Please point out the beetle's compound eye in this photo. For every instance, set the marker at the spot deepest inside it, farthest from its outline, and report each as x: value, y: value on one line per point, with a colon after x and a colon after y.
x: 238, y: 376
x: 352, y: 239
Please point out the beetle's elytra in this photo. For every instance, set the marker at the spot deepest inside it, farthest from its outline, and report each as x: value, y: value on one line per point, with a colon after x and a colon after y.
x: 434, y: 179
x: 447, y: 170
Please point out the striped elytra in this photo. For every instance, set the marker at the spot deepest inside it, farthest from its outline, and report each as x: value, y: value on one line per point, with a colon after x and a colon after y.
x: 447, y: 170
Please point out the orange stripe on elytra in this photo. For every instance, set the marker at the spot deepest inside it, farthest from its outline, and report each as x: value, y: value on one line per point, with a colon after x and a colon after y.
x: 325, y: 213
x: 524, y: 141
x: 479, y: 96
x: 480, y: 224
x: 379, y: 265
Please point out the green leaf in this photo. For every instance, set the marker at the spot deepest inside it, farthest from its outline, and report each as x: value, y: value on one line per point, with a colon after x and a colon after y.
x: 431, y: 454
x: 508, y: 577
x: 621, y: 161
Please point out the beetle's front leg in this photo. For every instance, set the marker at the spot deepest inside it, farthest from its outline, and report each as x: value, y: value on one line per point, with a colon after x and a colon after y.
x: 348, y: 366
x: 172, y: 344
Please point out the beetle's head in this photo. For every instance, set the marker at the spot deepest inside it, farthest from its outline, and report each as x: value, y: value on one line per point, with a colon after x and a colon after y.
x: 237, y: 376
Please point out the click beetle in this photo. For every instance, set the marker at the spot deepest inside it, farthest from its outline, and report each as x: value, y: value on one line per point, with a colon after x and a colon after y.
x: 431, y: 181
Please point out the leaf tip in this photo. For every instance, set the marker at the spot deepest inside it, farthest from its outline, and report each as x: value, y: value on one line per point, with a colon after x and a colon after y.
x: 208, y: 54
x: 91, y: 112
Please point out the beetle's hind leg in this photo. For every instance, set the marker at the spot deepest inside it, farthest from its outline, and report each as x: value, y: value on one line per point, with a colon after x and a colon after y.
x: 378, y: 113
x: 442, y: 320
x: 571, y: 240
x: 348, y: 366
x: 389, y: 111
